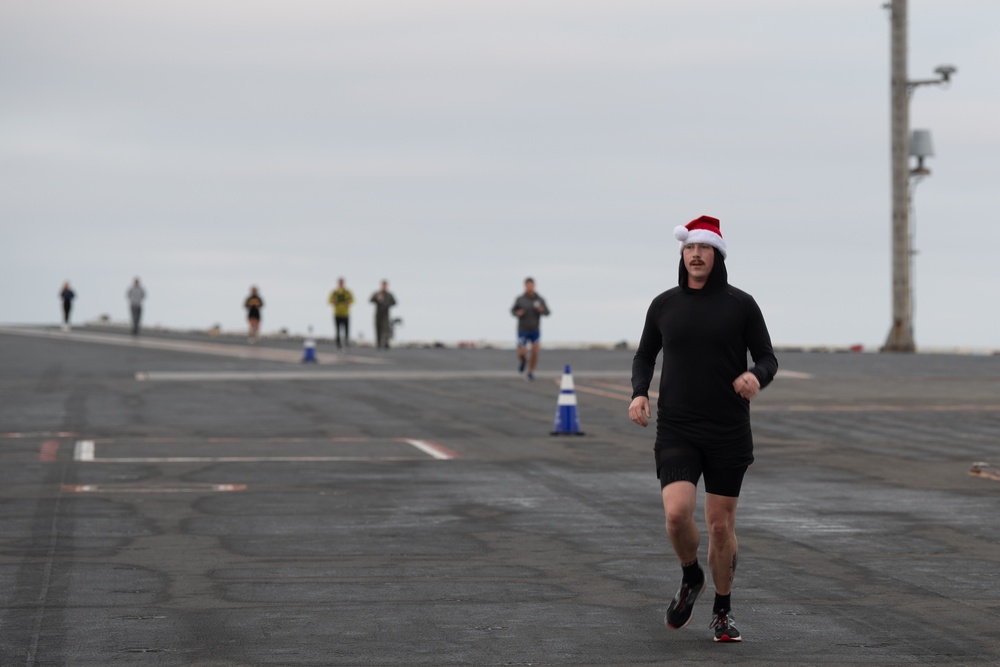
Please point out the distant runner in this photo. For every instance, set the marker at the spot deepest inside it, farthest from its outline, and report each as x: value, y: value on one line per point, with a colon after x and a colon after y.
x: 529, y: 308
x: 67, y: 295
x: 383, y: 300
x: 253, y: 304
x: 135, y: 295
x: 341, y: 300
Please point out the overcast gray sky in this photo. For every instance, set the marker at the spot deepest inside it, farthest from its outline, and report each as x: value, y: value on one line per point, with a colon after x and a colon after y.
x: 455, y: 147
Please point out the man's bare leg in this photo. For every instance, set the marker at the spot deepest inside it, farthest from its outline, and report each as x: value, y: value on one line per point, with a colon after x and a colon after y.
x: 678, y: 507
x: 723, y: 549
x: 533, y: 361
x: 723, y: 555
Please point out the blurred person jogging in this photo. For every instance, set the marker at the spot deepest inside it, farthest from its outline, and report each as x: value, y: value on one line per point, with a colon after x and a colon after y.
x: 135, y: 295
x: 341, y: 300
x: 383, y: 300
x: 253, y: 304
x: 528, y: 309
x: 67, y: 295
x: 704, y: 327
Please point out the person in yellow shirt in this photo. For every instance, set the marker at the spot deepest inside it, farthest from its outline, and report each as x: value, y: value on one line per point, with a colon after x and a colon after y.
x: 341, y: 300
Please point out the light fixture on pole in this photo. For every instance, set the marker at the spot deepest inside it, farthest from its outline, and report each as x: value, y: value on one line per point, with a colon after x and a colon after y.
x: 900, y: 338
x: 920, y: 148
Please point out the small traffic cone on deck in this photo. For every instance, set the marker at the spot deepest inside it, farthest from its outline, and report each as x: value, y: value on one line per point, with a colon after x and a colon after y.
x: 567, y: 422
x: 309, y: 349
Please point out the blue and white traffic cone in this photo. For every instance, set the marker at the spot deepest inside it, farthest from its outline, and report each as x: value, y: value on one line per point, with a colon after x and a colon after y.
x: 567, y: 422
x: 309, y: 349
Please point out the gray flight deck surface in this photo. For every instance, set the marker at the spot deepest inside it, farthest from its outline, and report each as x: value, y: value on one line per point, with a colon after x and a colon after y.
x: 183, y: 500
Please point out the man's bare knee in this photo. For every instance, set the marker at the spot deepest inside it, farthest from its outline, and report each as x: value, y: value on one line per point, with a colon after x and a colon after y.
x: 721, y: 532
x: 720, y: 517
x: 678, y: 520
x: 678, y: 504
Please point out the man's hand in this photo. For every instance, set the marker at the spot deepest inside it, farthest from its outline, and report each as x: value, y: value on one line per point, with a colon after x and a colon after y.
x: 747, y: 385
x: 639, y: 412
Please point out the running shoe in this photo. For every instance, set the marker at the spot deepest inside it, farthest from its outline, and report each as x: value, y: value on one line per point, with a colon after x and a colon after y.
x: 679, y: 611
x: 520, y: 366
x: 530, y: 377
x: 725, y: 631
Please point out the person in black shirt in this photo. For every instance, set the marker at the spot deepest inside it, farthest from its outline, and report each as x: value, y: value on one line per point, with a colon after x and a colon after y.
x: 704, y: 327
x: 253, y: 304
x: 67, y: 295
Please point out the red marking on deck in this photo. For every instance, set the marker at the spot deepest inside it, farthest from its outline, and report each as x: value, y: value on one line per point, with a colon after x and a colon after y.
x: 48, y: 452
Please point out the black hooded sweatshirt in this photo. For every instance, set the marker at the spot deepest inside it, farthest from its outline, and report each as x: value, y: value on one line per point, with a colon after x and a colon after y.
x: 704, y: 335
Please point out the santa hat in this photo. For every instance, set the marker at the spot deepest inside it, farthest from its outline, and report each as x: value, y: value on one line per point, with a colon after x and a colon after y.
x: 701, y: 230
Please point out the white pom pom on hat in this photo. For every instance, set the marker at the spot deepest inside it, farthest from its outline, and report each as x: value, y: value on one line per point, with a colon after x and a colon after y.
x: 701, y: 230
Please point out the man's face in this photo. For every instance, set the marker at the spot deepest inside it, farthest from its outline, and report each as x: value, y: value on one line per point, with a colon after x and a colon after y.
x: 699, y: 259
x: 529, y: 287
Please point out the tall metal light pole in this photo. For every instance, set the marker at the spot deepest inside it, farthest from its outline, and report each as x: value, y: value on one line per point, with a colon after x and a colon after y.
x: 900, y: 337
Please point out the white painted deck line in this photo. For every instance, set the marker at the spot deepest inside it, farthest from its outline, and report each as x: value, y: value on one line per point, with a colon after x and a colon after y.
x: 190, y: 488
x: 248, y: 459
x: 84, y: 450
x: 258, y: 352
x: 793, y: 375
x: 432, y: 449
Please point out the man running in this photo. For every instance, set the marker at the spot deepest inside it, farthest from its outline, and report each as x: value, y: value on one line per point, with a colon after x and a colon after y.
x: 341, y: 300
x: 704, y: 327
x: 253, y: 304
x: 66, y: 295
x: 135, y: 296
x: 528, y: 308
x: 383, y: 300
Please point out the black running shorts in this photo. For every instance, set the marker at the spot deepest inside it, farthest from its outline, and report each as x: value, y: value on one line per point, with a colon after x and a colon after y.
x: 686, y: 462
